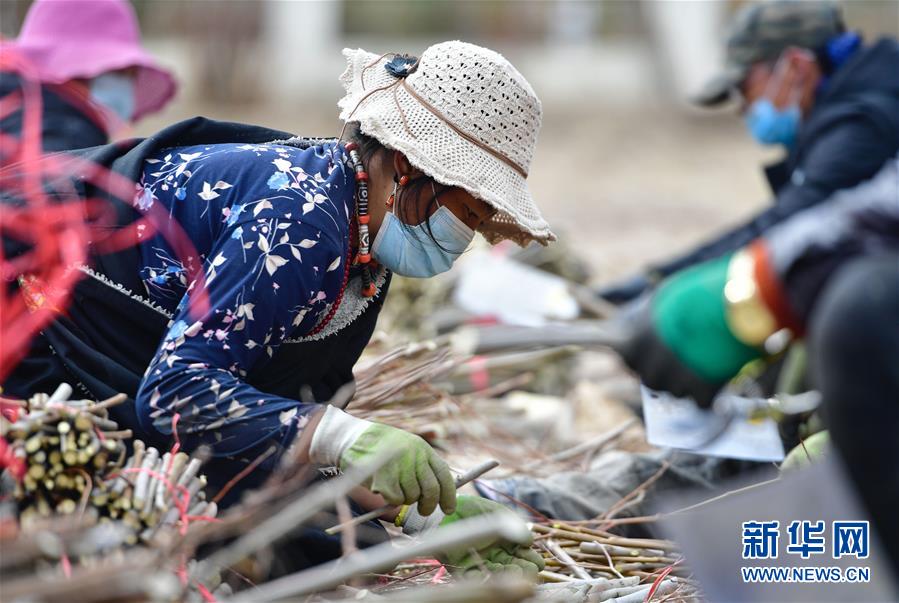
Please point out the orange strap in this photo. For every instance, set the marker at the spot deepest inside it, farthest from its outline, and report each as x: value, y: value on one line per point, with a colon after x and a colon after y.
x: 771, y: 289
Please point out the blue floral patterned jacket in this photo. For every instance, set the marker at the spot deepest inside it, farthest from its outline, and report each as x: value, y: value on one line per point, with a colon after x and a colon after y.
x: 270, y: 226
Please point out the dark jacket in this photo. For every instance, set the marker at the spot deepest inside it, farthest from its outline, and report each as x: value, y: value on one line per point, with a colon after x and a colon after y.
x: 806, y: 251
x: 850, y: 133
x: 64, y: 125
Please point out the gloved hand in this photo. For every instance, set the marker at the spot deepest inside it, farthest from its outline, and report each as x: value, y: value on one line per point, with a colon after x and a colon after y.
x: 493, y: 555
x: 415, y: 475
x: 681, y: 340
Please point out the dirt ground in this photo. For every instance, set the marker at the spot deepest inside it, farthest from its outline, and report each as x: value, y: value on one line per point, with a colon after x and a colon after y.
x: 630, y: 187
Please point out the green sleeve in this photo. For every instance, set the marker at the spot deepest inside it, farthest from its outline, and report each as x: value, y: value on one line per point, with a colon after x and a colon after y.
x: 689, y: 314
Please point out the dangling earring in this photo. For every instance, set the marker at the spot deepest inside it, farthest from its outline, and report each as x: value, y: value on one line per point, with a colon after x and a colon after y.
x: 397, y: 182
x: 392, y: 198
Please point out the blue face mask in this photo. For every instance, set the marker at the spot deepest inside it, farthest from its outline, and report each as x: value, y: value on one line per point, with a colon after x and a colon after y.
x: 770, y: 125
x: 410, y: 251
x: 115, y: 92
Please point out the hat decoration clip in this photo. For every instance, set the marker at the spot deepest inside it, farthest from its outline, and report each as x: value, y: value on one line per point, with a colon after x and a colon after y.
x: 401, y: 65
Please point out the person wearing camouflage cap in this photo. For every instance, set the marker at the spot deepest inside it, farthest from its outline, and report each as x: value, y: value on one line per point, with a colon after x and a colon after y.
x: 803, y: 80
x: 762, y: 32
x: 821, y: 266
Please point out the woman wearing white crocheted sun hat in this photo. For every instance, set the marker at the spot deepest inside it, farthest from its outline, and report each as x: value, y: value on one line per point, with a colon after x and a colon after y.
x: 298, y: 239
x: 445, y: 143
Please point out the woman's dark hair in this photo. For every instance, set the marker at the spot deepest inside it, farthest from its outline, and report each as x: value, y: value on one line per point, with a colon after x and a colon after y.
x: 408, y: 198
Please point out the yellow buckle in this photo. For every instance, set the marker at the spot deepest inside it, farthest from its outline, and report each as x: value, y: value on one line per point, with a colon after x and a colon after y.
x: 747, y: 315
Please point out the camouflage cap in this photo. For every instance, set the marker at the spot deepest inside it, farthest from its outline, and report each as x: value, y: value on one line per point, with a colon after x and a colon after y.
x: 761, y: 32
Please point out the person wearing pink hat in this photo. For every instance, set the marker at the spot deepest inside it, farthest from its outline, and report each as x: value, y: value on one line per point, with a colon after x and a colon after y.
x: 94, y: 75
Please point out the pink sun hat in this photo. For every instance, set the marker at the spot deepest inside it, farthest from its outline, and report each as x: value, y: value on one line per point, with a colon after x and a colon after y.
x: 69, y: 39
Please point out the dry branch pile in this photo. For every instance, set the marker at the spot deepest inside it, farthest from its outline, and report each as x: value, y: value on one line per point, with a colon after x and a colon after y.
x: 593, y: 562
x: 131, y: 526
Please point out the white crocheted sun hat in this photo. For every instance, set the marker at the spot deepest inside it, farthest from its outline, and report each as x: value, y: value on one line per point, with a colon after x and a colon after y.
x: 463, y: 115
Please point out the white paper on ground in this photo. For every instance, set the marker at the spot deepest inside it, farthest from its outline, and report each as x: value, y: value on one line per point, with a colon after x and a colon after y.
x: 516, y: 294
x: 678, y: 423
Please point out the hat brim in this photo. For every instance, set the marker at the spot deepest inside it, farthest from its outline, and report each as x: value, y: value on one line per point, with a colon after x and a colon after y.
x: 720, y: 88
x: 154, y: 85
x: 397, y: 120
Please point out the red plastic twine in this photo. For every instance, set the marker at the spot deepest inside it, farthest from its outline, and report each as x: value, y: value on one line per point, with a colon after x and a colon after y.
x: 57, y: 235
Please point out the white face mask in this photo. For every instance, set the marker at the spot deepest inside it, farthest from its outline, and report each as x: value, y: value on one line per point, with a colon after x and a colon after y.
x: 114, y: 91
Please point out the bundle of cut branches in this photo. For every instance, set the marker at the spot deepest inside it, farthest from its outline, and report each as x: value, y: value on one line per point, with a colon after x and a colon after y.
x: 622, y: 570
x: 82, y: 502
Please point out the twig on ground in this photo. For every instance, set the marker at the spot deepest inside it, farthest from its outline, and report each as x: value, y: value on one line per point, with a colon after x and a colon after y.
x: 328, y: 575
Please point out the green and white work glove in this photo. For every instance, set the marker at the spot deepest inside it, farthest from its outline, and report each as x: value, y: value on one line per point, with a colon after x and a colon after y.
x: 682, y: 341
x: 415, y: 476
x: 495, y: 556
